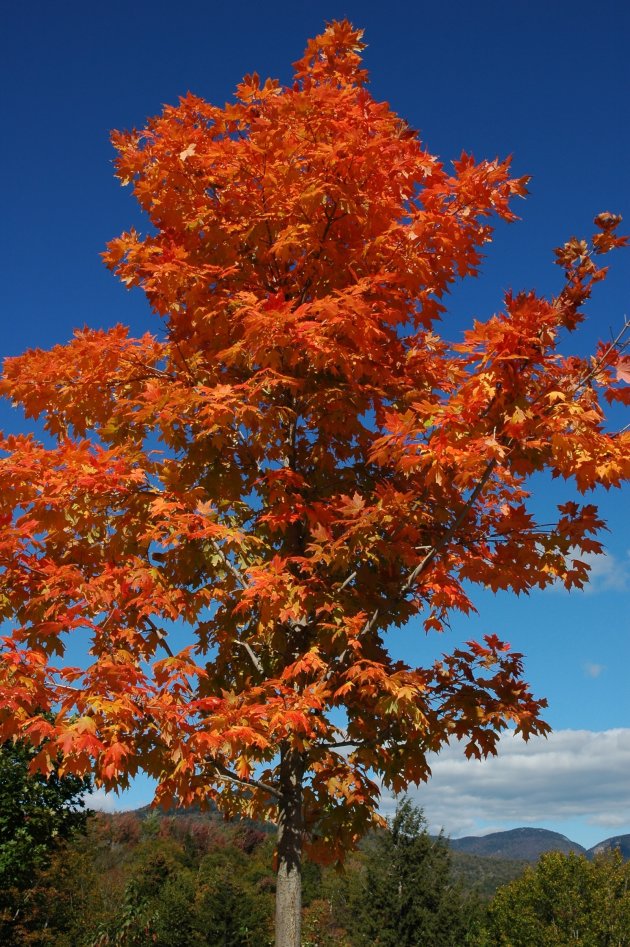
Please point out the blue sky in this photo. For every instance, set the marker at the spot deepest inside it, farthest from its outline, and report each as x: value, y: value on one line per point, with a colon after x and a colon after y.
x: 546, y: 82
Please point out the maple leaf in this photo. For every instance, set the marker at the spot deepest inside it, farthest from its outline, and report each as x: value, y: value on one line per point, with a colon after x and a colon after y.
x: 622, y: 368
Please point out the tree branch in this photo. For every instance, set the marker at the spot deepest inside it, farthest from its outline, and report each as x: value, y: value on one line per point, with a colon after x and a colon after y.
x: 347, y: 581
x: 438, y: 547
x: 161, y: 636
x: 335, y: 746
x: 236, y: 572
x: 369, y: 623
x: 252, y: 655
x: 225, y: 773
x: 602, y: 360
x: 430, y: 556
x: 243, y: 644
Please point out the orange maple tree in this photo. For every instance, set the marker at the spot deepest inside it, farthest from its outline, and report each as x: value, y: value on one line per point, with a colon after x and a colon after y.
x: 295, y: 463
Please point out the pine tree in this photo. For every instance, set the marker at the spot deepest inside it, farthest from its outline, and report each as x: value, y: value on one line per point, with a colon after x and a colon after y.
x: 406, y: 896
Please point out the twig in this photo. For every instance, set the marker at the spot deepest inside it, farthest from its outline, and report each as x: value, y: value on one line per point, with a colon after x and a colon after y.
x: 369, y: 623
x: 243, y: 441
x: 430, y: 556
x: 602, y: 360
x: 438, y: 547
x: 161, y: 636
x: 186, y: 365
x: 347, y: 581
x: 335, y: 746
x: 152, y: 370
x: 243, y: 644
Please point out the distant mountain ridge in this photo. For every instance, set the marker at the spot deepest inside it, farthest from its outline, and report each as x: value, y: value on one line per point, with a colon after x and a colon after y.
x: 622, y: 842
x: 524, y: 844
x: 528, y: 844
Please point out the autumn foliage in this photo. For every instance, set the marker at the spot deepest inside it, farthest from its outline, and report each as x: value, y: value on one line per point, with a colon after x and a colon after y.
x: 231, y: 512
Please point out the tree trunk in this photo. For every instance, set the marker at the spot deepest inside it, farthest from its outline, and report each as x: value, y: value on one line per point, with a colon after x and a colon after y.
x: 290, y: 830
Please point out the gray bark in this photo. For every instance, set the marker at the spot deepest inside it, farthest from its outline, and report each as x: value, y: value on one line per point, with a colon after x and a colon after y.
x: 290, y: 833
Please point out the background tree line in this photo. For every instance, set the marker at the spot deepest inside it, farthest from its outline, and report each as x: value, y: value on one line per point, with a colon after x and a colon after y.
x: 70, y: 879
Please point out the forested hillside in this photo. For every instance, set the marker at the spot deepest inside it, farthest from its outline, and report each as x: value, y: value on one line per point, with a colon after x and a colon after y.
x: 190, y: 879
x: 194, y: 880
x: 186, y: 878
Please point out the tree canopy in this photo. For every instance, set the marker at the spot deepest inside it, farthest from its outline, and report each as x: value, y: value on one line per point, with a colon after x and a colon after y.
x: 565, y: 899
x: 297, y: 460
x: 37, y: 815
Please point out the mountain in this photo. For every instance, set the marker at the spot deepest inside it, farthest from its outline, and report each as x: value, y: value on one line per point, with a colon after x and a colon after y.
x: 622, y: 842
x: 517, y: 844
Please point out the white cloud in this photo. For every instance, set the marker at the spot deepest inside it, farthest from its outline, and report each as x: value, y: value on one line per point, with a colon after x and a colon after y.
x: 593, y: 670
x: 102, y: 801
x: 573, y: 775
x: 610, y: 821
x: 608, y: 574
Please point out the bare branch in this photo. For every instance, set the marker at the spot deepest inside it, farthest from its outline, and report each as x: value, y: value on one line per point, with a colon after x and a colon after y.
x: 225, y: 773
x: 236, y: 572
x: 602, y: 360
x: 347, y: 581
x: 152, y: 370
x: 370, y: 622
x: 189, y: 371
x: 252, y: 654
x: 430, y: 556
x: 335, y: 746
x: 243, y: 644
x: 161, y: 636
x: 243, y: 441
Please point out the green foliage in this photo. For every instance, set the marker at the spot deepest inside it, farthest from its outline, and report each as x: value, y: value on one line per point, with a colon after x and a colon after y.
x: 230, y: 909
x: 169, y: 902
x: 196, y: 881
x: 157, y: 903
x: 37, y: 815
x: 406, y: 896
x: 483, y: 874
x: 565, y: 899
x: 55, y: 909
x: 326, y: 917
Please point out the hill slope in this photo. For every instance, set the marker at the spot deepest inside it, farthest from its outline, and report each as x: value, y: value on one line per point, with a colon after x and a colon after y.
x: 516, y: 844
x: 622, y: 842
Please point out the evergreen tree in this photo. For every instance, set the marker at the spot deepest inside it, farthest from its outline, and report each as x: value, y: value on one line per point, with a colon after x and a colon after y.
x: 217, y: 903
x: 36, y: 815
x: 232, y: 907
x: 406, y: 896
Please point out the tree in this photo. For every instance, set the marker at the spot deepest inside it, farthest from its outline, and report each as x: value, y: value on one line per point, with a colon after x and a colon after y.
x: 565, y: 899
x: 407, y: 896
x: 297, y: 463
x: 37, y: 815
